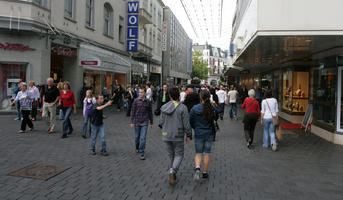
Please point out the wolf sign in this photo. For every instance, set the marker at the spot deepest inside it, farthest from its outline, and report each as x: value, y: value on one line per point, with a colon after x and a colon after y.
x: 132, y: 26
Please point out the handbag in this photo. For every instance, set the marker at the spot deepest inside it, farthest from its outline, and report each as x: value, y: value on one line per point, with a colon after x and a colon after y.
x: 275, y: 118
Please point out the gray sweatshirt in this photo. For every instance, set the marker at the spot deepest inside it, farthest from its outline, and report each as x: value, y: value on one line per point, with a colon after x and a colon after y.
x: 174, y: 122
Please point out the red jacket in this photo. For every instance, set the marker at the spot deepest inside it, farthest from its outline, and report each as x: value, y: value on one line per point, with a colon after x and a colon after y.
x: 68, y: 99
x: 251, y: 105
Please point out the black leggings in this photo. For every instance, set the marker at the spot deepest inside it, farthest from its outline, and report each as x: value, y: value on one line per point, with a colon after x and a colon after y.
x: 26, y: 120
x: 250, y: 120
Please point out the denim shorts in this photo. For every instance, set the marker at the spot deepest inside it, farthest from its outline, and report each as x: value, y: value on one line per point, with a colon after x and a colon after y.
x: 203, y: 145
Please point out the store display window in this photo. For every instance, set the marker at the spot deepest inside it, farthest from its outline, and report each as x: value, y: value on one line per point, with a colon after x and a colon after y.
x: 10, y: 74
x: 295, y: 92
x: 324, y: 97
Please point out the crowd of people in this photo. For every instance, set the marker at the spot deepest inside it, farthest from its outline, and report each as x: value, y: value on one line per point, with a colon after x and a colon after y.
x: 185, y: 112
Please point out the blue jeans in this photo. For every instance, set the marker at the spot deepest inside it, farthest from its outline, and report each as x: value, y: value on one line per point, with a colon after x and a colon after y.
x: 233, y: 110
x: 61, y: 114
x: 67, y: 127
x: 203, y: 145
x: 140, y: 138
x: 19, y: 115
x: 85, y: 125
x: 268, y: 128
x: 98, y: 130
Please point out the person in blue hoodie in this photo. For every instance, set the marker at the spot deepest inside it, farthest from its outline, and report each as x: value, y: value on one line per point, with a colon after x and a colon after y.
x: 201, y: 120
x: 175, y: 126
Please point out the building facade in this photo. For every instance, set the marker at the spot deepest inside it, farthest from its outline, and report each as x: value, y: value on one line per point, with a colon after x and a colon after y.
x: 149, y: 54
x: 177, y: 57
x: 216, y: 59
x: 82, y: 42
x: 288, y: 47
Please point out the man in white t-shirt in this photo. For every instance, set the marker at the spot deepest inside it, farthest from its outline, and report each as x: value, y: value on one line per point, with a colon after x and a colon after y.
x: 222, y: 98
x: 233, y: 94
x: 148, y: 92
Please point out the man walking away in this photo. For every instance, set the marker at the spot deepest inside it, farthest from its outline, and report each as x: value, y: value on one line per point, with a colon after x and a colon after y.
x: 233, y: 102
x: 192, y: 99
x: 222, y: 98
x: 175, y: 125
x: 141, y: 115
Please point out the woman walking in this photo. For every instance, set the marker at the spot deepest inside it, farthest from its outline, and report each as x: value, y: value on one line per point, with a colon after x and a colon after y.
x: 24, y: 98
x: 88, y: 104
x: 68, y: 103
x: 130, y: 97
x: 60, y: 115
x: 202, y: 121
x: 269, y: 111
x: 252, y: 112
x: 34, y: 90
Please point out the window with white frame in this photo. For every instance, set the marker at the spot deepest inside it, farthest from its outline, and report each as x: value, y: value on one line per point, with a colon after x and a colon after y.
x: 90, y: 13
x: 69, y: 9
x: 108, y: 20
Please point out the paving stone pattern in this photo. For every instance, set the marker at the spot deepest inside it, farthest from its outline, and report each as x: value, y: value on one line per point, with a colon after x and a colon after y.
x: 306, y: 167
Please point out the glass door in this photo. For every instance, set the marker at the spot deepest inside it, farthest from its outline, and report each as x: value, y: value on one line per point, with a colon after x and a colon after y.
x: 339, y: 101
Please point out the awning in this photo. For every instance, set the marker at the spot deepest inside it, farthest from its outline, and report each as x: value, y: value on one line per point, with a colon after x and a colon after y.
x: 95, y: 58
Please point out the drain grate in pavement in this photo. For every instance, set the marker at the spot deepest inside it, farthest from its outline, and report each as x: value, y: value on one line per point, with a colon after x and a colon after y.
x: 39, y: 171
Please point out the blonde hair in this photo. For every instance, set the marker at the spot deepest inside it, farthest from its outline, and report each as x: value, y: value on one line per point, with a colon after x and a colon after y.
x: 60, y: 85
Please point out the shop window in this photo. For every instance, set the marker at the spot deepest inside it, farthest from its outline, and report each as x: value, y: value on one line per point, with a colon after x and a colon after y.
x: 69, y: 9
x: 108, y: 20
x: 90, y: 13
x: 295, y: 92
x: 324, y: 97
x: 10, y: 74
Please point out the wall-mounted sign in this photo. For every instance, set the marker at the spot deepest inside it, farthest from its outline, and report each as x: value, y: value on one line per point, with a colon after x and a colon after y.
x: 63, y: 51
x: 132, y: 26
x: 89, y: 62
x: 16, y: 47
x: 164, y: 36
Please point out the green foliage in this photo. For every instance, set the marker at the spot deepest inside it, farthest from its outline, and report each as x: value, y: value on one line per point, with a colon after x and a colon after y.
x: 200, y: 70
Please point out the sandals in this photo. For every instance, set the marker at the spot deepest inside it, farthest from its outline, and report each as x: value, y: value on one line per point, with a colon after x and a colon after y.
x: 21, y: 131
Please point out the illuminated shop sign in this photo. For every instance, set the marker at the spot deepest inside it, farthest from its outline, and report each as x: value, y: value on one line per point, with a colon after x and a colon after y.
x: 16, y: 47
x: 164, y: 36
x: 132, y: 26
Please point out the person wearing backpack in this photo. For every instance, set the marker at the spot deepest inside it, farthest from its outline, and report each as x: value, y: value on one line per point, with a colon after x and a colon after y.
x: 88, y: 104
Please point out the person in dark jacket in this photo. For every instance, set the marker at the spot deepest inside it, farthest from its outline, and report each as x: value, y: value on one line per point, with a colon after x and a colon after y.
x: 163, y: 98
x: 175, y: 125
x: 130, y: 95
x: 192, y: 99
x: 201, y: 119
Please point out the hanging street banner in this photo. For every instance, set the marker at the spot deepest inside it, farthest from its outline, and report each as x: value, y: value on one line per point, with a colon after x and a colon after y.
x: 132, y: 26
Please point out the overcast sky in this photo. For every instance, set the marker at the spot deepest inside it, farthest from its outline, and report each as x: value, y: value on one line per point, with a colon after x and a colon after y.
x: 205, y: 9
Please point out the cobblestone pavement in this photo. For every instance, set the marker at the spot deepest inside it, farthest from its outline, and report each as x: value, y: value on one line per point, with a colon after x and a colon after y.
x: 306, y: 167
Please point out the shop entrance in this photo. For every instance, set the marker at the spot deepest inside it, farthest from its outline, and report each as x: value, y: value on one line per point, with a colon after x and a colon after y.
x: 57, y: 63
x: 339, y: 101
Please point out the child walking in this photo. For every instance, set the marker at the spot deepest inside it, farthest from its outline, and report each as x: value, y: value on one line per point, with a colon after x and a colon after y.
x: 97, y: 125
x: 88, y: 104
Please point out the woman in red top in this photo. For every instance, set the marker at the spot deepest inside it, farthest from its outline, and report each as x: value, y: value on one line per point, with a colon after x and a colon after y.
x: 252, y: 112
x: 67, y: 100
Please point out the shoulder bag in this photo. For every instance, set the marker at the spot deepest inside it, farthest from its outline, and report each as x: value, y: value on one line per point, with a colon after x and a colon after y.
x: 275, y: 118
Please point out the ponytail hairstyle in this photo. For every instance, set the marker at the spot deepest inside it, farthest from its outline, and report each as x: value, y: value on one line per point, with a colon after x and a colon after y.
x: 207, y: 113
